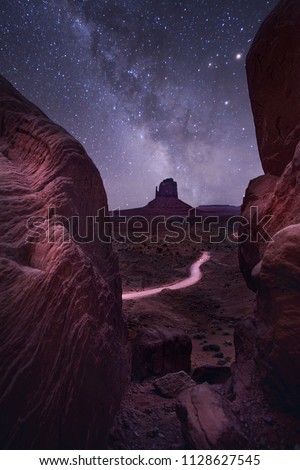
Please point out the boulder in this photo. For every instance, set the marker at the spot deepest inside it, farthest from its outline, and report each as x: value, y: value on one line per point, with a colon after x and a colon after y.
x: 63, y: 339
x: 171, y: 385
x: 159, y: 350
x: 207, y: 421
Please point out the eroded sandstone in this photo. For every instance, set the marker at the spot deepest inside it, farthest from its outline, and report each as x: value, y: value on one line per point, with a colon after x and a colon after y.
x: 63, y: 346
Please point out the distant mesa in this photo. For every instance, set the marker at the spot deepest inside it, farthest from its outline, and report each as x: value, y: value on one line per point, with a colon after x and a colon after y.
x: 167, y: 203
x: 166, y: 200
x: 167, y: 188
x: 219, y: 210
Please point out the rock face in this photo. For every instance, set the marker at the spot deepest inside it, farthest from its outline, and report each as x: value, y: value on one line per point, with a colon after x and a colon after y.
x: 63, y: 340
x: 160, y: 350
x: 167, y: 188
x: 278, y: 309
x: 259, y: 195
x: 272, y: 267
x: 273, y: 70
x: 207, y: 421
x: 171, y: 385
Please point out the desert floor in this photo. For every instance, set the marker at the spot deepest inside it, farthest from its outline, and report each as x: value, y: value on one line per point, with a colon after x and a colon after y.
x: 209, y: 310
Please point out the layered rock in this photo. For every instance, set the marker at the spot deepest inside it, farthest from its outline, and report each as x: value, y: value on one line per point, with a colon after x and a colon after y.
x: 63, y: 346
x: 272, y: 267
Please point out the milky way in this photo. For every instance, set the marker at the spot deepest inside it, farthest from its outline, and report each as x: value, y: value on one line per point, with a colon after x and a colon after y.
x: 152, y: 89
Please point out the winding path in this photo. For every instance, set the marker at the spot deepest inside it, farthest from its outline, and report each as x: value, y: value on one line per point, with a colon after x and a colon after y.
x: 194, y: 277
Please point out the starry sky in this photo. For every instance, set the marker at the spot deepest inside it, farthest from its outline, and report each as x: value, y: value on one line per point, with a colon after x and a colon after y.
x: 152, y: 88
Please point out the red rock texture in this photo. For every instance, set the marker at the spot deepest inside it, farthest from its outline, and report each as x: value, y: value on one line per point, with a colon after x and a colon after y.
x: 272, y: 268
x: 278, y: 312
x: 63, y: 339
x: 277, y: 197
x: 273, y: 69
x: 258, y: 194
x: 207, y: 421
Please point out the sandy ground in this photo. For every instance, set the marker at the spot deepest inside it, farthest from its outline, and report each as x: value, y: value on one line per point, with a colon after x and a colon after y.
x: 210, y: 308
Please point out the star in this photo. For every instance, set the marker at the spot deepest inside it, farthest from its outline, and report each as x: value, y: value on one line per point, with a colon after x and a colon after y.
x: 152, y: 89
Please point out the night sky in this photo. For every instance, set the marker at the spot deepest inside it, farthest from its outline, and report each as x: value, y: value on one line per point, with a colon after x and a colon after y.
x: 152, y: 89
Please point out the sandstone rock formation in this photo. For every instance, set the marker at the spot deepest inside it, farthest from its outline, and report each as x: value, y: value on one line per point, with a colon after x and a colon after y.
x: 171, y: 385
x: 273, y: 70
x: 166, y: 203
x: 207, y: 420
x: 278, y: 334
x: 167, y: 188
x: 168, y: 206
x: 63, y: 340
x: 272, y: 268
x: 159, y: 350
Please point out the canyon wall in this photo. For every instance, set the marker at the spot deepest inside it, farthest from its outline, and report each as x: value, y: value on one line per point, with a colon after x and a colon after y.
x: 63, y: 346
x: 271, y: 267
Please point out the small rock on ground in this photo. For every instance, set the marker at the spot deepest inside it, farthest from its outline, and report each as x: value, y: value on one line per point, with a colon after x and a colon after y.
x: 171, y: 385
